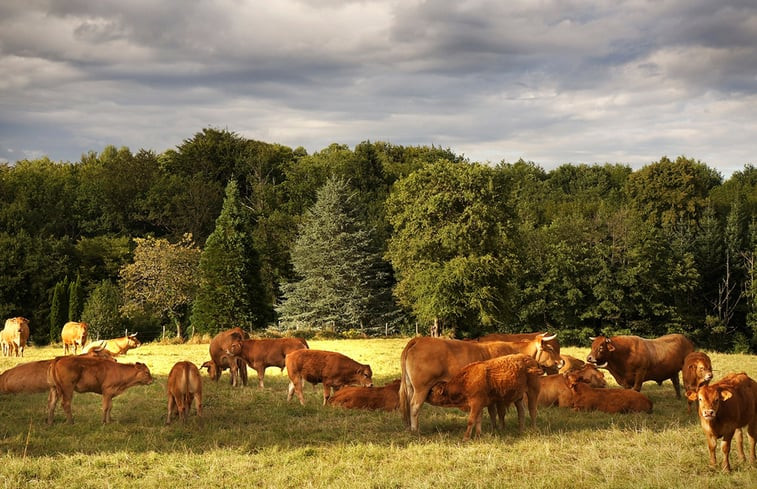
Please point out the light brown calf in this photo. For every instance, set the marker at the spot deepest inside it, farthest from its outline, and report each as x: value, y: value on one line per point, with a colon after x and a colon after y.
x: 724, y: 407
x: 184, y: 386
x: 586, y: 398
x: 554, y: 389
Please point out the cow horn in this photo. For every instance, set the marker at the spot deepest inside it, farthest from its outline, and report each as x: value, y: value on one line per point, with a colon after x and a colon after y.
x: 592, y: 338
x: 547, y: 338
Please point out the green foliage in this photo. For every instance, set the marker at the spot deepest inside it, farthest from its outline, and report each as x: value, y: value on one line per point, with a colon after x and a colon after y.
x: 75, y: 299
x: 102, y: 311
x: 58, y: 309
x: 344, y: 283
x: 230, y: 289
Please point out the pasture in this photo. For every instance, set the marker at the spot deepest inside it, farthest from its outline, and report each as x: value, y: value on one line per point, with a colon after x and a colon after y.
x: 254, y: 438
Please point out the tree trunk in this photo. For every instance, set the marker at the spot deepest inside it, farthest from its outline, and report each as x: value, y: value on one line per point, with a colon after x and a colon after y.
x: 435, y: 332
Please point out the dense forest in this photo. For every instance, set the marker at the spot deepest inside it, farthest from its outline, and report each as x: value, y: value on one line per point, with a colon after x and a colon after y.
x: 381, y: 238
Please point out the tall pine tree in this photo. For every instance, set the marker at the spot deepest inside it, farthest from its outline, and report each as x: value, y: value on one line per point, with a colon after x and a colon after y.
x: 344, y: 281
x: 58, y: 309
x: 231, y: 292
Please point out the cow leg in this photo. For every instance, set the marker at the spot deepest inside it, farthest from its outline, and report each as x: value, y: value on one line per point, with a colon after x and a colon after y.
x: 198, y: 404
x: 726, y: 447
x: 419, y: 397
x: 52, y: 401
x: 739, y: 441
x: 752, y: 437
x: 474, y: 418
x: 65, y: 402
x: 261, y: 376
x: 676, y: 385
x: 533, y: 404
x: 496, y: 413
x: 170, y: 408
x: 326, y: 392
x: 107, y: 405
x: 242, y: 370
x: 521, y: 414
x: 639, y: 379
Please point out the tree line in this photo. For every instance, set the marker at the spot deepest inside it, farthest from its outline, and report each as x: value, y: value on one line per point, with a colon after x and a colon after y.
x: 225, y: 231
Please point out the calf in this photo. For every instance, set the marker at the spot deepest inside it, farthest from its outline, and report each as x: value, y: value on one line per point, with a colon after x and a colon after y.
x: 184, y: 385
x: 332, y: 369
x: 554, y: 390
x: 67, y: 375
x: 224, y: 349
x: 724, y: 407
x: 263, y: 353
x: 586, y: 398
x: 497, y: 382
x: 697, y: 371
x: 375, y: 398
x: 570, y: 364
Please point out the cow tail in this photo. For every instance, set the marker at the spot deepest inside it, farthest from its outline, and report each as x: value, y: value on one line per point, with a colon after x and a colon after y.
x: 53, y: 380
x: 406, y: 389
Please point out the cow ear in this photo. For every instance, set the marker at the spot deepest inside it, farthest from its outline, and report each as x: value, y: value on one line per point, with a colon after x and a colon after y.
x: 691, y: 395
x: 610, y: 346
x: 725, y: 395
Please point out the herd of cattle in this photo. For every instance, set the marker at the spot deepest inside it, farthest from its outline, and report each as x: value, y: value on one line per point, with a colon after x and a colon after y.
x: 493, y: 372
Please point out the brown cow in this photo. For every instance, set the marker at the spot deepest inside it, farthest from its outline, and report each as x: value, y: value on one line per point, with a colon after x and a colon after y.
x: 73, y: 335
x: 224, y: 349
x: 543, y: 347
x: 263, y: 353
x: 116, y: 346
x: 724, y: 407
x: 31, y: 377
x: 333, y: 369
x: 697, y: 371
x: 184, y: 385
x: 14, y: 336
x: 554, y: 390
x: 375, y: 398
x: 587, y: 398
x: 499, y: 381
x: 67, y: 375
x: 570, y: 364
x: 426, y: 361
x: 633, y: 360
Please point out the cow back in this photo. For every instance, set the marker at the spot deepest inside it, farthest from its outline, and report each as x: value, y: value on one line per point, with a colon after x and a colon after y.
x: 27, y: 377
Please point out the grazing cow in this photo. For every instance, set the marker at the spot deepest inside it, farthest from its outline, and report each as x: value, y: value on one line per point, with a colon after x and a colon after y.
x: 697, y: 371
x: 375, y: 398
x: 67, y: 375
x: 554, y: 390
x: 74, y: 335
x: 184, y: 385
x: 426, y: 361
x: 14, y: 336
x: 633, y: 360
x: 499, y: 381
x: 263, y: 353
x: 587, y: 398
x: 332, y: 369
x: 724, y: 407
x: 116, y: 346
x: 570, y: 364
x: 31, y: 377
x: 224, y: 349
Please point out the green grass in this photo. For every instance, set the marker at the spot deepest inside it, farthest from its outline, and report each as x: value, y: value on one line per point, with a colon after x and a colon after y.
x: 254, y: 438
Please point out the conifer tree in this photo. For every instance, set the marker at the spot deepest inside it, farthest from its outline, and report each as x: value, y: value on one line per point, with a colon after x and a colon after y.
x: 231, y: 292
x: 344, y: 282
x: 75, y: 299
x: 58, y: 309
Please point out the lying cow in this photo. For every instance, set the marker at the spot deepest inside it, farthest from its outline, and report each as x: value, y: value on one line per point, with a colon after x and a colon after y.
x: 554, y: 390
x: 184, y: 386
x: 224, y: 349
x: 14, y: 336
x: 426, y: 361
x: 500, y: 381
x: 67, y: 375
x: 632, y: 360
x: 116, y: 346
x: 332, y: 369
x: 570, y: 364
x: 74, y: 335
x: 375, y: 398
x: 697, y: 371
x: 724, y: 407
x: 587, y: 398
x: 271, y: 352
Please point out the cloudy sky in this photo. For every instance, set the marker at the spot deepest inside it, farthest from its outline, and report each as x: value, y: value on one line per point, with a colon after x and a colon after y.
x: 550, y: 81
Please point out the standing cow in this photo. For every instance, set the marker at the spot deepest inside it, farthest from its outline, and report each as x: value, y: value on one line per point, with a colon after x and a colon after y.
x: 269, y: 352
x: 74, y: 335
x: 14, y: 336
x: 426, y: 361
x: 184, y: 386
x: 724, y: 407
x: 697, y: 371
x: 224, y: 349
x: 332, y: 369
x: 632, y: 360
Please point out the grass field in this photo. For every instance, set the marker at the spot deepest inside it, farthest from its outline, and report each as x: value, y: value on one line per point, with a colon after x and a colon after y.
x: 254, y: 438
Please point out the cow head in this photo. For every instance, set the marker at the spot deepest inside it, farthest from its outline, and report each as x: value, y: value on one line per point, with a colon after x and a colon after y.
x: 143, y: 374
x: 234, y: 346
x: 546, y: 354
x: 709, y: 398
x: 589, y: 374
x: 132, y: 341
x: 363, y: 376
x: 213, y: 371
x: 702, y: 371
x: 601, y: 351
